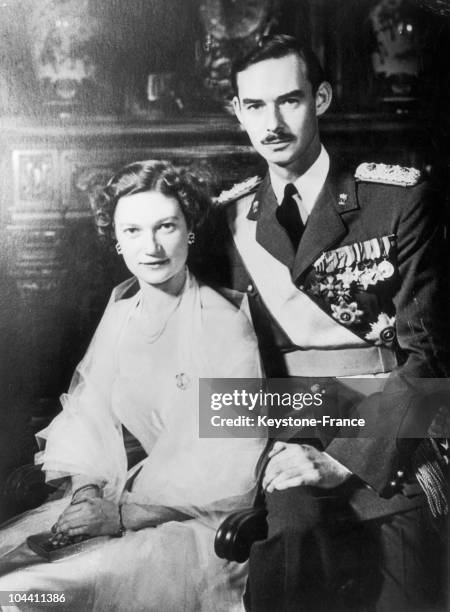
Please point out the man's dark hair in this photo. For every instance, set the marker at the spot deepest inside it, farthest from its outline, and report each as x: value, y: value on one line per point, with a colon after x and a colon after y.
x: 274, y: 47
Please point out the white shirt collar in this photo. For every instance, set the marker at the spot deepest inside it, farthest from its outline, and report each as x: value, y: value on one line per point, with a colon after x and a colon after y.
x: 309, y: 185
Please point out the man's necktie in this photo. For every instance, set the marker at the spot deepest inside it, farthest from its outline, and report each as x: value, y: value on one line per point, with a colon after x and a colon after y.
x: 288, y: 215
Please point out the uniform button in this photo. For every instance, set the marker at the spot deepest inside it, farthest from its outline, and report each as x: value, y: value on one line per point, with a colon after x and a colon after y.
x: 393, y: 484
x: 250, y: 288
x: 400, y: 474
x: 315, y: 388
x: 343, y: 197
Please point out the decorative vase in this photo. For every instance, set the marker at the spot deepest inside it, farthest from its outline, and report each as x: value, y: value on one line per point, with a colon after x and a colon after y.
x: 397, y: 51
x: 158, y: 55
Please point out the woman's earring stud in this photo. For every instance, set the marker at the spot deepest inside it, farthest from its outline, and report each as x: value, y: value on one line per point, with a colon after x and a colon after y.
x: 191, y: 238
x: 118, y: 248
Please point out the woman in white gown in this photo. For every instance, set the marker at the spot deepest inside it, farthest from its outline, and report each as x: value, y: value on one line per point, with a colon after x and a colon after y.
x: 141, y: 371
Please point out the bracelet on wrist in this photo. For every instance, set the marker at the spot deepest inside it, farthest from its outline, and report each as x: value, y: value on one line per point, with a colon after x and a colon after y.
x: 85, y: 488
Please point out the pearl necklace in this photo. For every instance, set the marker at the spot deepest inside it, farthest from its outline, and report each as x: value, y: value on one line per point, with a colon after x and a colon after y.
x: 152, y: 337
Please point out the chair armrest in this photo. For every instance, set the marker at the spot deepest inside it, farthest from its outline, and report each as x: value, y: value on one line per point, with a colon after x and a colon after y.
x: 25, y: 487
x: 238, y: 532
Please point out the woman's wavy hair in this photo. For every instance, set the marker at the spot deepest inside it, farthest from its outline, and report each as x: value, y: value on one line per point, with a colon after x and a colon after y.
x: 151, y: 175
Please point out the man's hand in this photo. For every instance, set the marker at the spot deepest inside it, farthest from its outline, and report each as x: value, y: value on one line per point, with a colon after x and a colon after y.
x: 294, y: 465
x: 93, y: 516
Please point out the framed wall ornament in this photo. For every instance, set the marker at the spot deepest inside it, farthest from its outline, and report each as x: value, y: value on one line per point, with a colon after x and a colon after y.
x: 71, y: 55
x: 231, y: 28
x: 399, y: 34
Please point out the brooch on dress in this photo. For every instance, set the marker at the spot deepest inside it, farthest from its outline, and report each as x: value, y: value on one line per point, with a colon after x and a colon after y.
x: 183, y: 381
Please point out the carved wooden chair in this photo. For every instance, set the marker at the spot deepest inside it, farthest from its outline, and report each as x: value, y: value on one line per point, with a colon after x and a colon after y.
x: 25, y: 488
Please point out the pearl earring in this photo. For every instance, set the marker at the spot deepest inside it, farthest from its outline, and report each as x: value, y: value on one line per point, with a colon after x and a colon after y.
x: 191, y: 238
x: 118, y: 248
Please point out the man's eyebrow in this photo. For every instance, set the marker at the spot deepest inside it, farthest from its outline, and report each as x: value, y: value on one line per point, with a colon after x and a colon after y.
x: 166, y: 219
x: 251, y: 101
x: 295, y: 93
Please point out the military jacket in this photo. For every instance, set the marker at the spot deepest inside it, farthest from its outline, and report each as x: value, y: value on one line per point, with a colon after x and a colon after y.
x: 371, y: 258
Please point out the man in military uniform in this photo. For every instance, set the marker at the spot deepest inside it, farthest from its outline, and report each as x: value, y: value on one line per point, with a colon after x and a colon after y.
x: 342, y: 274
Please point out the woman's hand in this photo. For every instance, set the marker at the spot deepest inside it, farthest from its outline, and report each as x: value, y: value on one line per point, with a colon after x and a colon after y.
x: 87, y: 491
x: 93, y: 516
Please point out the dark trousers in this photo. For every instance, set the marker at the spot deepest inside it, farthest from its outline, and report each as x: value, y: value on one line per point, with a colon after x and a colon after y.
x: 312, y: 561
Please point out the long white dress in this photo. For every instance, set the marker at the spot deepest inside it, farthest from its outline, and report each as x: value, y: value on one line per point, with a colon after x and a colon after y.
x: 148, y: 383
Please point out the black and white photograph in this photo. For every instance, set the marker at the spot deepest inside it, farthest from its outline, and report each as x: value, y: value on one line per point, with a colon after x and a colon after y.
x: 224, y: 305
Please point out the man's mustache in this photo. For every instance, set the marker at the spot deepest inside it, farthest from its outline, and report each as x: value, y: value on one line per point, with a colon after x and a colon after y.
x: 276, y: 136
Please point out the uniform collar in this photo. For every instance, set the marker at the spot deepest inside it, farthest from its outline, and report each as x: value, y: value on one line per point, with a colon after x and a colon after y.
x: 269, y: 232
x: 327, y: 223
x: 309, y: 185
x: 324, y: 229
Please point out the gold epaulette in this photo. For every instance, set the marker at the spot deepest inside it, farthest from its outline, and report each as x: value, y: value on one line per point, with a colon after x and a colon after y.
x: 240, y: 189
x: 387, y: 174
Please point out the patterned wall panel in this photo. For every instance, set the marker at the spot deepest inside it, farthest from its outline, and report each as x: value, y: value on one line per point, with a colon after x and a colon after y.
x: 35, y: 179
